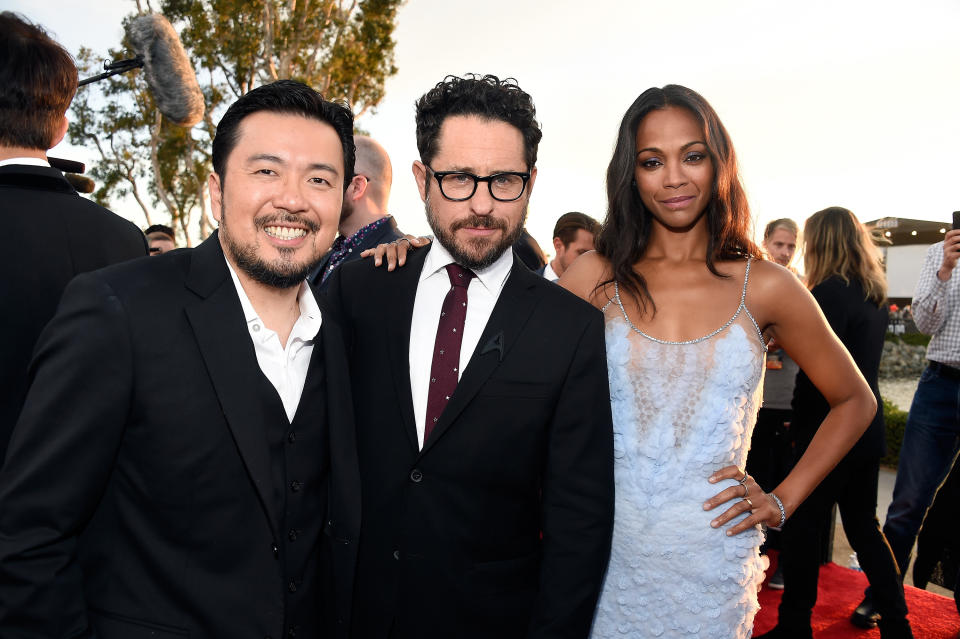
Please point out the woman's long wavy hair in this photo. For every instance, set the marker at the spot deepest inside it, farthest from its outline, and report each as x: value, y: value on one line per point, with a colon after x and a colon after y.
x: 625, y: 234
x: 837, y: 244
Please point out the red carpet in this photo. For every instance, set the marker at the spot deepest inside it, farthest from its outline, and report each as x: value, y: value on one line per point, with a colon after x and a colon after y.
x: 932, y: 616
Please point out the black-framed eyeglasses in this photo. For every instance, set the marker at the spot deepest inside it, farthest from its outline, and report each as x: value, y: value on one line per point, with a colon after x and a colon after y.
x: 458, y: 186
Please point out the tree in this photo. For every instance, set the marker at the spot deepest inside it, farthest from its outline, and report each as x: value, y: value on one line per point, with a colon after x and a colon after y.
x: 343, y: 48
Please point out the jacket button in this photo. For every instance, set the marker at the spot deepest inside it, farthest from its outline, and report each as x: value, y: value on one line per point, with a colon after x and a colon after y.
x: 276, y: 552
x: 416, y: 476
x: 295, y: 486
x: 292, y: 586
x: 292, y: 535
x: 292, y: 437
x: 396, y: 555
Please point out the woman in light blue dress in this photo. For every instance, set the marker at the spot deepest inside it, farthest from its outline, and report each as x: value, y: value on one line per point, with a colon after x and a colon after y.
x: 689, y: 306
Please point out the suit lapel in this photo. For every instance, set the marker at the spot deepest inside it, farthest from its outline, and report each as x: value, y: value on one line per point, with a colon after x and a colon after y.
x: 510, y: 314
x: 221, y: 332
x: 401, y: 291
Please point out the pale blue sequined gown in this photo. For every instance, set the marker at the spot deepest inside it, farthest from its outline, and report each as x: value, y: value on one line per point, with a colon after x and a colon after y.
x: 680, y: 412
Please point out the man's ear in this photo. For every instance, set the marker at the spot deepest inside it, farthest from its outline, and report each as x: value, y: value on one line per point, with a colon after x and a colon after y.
x: 61, y: 132
x: 216, y: 196
x: 420, y: 175
x: 358, y: 186
x: 557, y: 246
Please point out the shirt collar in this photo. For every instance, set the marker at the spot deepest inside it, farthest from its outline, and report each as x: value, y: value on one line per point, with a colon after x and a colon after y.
x: 549, y: 273
x: 25, y: 161
x: 492, y: 277
x: 307, y: 325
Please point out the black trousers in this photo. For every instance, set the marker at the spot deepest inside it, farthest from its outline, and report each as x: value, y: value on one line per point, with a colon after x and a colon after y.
x: 771, y: 452
x: 853, y: 487
x: 771, y: 457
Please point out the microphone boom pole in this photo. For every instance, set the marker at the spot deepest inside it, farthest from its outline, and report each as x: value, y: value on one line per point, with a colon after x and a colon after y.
x: 115, y: 68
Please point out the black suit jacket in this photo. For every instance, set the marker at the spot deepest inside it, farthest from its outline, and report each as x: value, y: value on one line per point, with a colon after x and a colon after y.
x: 500, y: 526
x: 138, y: 498
x: 861, y: 326
x: 52, y: 234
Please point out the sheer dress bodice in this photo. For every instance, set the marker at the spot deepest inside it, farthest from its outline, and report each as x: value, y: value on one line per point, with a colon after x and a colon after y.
x: 681, y: 410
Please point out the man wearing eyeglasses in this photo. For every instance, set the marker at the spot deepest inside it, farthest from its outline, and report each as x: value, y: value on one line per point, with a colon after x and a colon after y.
x: 481, y: 400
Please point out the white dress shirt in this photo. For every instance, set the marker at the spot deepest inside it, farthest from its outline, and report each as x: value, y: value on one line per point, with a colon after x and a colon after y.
x: 26, y: 161
x: 286, y: 368
x: 549, y: 273
x: 434, y: 284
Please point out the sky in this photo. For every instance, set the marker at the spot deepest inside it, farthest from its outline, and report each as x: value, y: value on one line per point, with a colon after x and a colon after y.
x: 851, y: 103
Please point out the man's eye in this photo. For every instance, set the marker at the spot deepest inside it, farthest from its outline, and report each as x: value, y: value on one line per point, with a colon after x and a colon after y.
x: 460, y: 178
x: 319, y: 180
x: 266, y: 171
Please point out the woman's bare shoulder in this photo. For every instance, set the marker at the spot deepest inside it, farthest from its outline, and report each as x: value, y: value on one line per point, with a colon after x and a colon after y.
x: 769, y: 277
x: 774, y: 291
x: 585, y: 278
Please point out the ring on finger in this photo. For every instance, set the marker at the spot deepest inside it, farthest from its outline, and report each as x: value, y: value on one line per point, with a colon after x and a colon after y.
x: 403, y: 239
x: 743, y: 479
x: 745, y: 490
x: 749, y: 503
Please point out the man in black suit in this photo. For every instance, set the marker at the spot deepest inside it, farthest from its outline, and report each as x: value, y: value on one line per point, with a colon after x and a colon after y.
x: 53, y: 232
x: 364, y: 221
x: 185, y: 444
x: 487, y: 495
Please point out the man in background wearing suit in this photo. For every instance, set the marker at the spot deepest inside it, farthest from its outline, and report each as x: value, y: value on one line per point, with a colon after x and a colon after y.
x: 364, y: 221
x: 187, y: 441
x: 54, y: 233
x: 483, y: 413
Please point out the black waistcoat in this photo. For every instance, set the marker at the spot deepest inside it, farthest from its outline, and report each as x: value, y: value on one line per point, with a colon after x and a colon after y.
x: 299, y: 465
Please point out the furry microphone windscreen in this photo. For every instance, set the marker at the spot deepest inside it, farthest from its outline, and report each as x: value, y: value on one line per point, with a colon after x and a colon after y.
x: 169, y: 73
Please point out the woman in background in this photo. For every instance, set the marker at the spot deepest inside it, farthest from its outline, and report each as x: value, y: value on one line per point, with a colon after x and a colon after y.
x: 844, y: 274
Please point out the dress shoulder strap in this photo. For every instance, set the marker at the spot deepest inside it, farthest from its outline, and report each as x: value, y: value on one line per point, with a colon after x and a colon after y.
x: 743, y: 304
x: 746, y: 278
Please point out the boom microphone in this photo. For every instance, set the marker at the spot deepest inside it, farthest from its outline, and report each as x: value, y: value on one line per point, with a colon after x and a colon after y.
x: 169, y: 73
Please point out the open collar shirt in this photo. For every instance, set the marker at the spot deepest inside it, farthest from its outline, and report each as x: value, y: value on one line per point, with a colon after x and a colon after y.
x: 432, y: 288
x: 285, y: 367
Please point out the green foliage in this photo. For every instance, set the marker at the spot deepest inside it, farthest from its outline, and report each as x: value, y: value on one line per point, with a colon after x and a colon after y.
x: 915, y: 339
x: 896, y: 421
x: 343, y: 48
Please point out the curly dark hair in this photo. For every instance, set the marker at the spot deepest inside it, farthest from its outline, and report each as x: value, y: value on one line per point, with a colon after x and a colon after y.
x: 625, y: 234
x: 37, y: 81
x: 488, y: 97
x: 288, y: 97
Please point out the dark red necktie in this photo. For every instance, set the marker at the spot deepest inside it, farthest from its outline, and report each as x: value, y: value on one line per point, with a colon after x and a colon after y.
x: 446, y: 349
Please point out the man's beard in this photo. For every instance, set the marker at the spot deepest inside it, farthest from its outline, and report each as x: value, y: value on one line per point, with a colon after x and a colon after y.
x: 475, y: 253
x: 282, y: 273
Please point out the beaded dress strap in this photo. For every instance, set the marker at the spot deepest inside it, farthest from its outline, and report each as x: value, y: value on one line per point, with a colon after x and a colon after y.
x: 743, y: 304
x: 741, y: 307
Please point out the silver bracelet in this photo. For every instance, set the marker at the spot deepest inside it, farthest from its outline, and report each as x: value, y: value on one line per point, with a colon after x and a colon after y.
x: 783, y: 513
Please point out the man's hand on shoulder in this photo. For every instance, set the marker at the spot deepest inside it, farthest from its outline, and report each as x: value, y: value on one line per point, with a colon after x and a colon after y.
x: 395, y: 252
